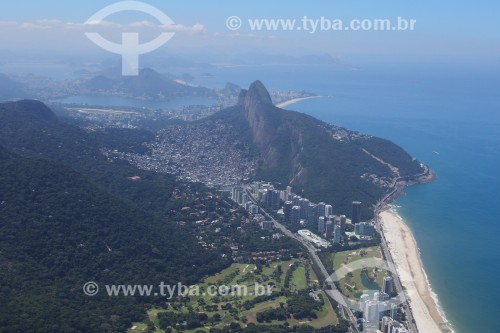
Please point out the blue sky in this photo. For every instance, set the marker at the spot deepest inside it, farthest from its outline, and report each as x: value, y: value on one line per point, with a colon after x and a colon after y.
x: 444, y: 28
x: 443, y: 14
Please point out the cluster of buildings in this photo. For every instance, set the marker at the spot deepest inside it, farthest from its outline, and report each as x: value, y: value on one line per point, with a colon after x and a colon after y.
x: 99, y: 117
x: 389, y: 325
x: 364, y: 229
x: 240, y: 196
x: 300, y: 212
x: 379, y: 310
x: 193, y: 153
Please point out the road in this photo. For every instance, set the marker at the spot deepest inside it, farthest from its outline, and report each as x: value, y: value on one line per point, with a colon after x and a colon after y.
x: 412, y: 328
x: 396, y: 188
x: 332, y: 290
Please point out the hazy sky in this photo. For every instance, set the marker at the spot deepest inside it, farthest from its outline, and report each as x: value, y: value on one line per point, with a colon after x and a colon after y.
x: 457, y: 29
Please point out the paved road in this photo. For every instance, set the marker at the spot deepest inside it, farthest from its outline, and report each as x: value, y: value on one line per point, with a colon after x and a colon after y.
x: 412, y: 328
x: 332, y: 290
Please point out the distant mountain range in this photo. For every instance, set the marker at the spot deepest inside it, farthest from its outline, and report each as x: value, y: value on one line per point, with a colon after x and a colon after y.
x: 149, y: 84
x: 322, y: 162
x: 10, y: 89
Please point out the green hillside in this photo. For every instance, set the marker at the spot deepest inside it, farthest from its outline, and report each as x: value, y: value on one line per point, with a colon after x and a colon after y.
x: 68, y: 216
x: 320, y: 161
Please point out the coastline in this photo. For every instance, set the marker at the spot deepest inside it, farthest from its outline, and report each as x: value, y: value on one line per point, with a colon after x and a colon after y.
x: 294, y: 100
x: 403, y: 247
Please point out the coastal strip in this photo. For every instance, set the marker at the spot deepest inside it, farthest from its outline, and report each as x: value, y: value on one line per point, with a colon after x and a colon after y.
x: 294, y: 100
x: 405, y: 254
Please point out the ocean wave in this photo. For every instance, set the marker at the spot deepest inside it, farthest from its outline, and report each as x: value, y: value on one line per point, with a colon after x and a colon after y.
x: 395, y: 210
x: 436, y: 301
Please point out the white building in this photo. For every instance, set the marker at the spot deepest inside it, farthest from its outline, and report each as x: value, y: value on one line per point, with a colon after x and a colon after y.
x: 337, y: 234
x: 321, y: 225
x: 313, y: 239
x: 328, y: 210
x: 371, y: 312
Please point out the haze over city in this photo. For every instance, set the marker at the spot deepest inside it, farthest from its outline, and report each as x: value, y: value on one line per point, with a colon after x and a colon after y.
x: 261, y: 166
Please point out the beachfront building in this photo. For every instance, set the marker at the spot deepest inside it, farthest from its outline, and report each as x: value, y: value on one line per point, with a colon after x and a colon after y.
x: 387, y: 286
x: 371, y: 312
x: 364, y: 229
x: 363, y: 299
x: 390, y: 325
x: 383, y: 297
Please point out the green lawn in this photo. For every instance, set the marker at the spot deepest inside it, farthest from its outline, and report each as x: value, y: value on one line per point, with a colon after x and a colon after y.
x: 139, y: 327
x: 358, y: 280
x: 250, y: 315
x: 247, y: 275
x: 327, y: 315
x: 298, y: 281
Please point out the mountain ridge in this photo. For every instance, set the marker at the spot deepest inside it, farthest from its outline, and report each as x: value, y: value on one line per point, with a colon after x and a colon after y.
x: 321, y: 161
x: 149, y: 84
x: 11, y: 89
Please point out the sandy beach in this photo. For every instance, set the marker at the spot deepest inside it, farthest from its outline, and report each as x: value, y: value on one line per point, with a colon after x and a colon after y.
x: 406, y: 257
x: 295, y: 100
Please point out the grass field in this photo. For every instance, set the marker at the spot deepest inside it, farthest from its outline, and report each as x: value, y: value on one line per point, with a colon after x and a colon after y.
x: 246, y: 275
x: 327, y: 315
x: 251, y: 314
x: 299, y: 279
x: 354, y: 283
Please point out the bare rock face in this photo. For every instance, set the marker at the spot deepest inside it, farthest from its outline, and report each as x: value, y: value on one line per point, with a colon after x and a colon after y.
x: 256, y: 139
x: 262, y: 118
x: 320, y: 160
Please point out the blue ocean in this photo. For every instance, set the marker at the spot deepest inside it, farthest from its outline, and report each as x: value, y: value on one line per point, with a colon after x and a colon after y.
x: 447, y: 116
